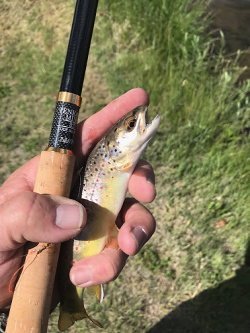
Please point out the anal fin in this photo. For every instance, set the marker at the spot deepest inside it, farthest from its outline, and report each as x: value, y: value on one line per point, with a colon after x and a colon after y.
x: 97, y: 291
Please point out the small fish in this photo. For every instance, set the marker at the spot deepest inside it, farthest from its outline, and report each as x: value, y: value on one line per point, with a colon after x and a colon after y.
x: 104, y: 187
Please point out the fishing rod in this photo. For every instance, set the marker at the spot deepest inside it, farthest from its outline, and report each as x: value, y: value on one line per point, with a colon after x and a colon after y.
x: 31, y: 302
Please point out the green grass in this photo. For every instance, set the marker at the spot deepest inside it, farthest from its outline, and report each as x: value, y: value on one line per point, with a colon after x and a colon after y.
x: 201, y: 152
x: 193, y: 276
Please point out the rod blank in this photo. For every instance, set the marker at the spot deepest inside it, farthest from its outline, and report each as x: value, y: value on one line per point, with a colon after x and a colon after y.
x: 78, y: 48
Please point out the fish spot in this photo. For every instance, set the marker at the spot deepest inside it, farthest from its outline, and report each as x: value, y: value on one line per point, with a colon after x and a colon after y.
x: 96, y: 169
x: 73, y: 262
x: 111, y: 169
x: 104, y: 174
x: 103, y: 165
x: 76, y: 248
x: 97, y: 180
x: 101, y: 187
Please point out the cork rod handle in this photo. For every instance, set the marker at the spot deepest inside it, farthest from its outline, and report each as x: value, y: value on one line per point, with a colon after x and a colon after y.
x: 31, y: 302
x: 32, y: 296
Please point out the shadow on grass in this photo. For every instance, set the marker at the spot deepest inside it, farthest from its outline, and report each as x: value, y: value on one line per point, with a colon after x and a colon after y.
x: 224, y: 309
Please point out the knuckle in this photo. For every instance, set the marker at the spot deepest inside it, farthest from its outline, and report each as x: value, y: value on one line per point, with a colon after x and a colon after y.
x: 31, y: 209
x: 38, y: 209
x: 23, y: 207
x: 111, y: 269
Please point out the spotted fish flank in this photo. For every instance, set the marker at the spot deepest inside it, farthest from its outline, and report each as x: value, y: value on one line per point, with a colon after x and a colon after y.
x: 104, y: 186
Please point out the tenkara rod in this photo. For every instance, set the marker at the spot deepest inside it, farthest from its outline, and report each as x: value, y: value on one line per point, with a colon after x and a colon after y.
x: 31, y: 302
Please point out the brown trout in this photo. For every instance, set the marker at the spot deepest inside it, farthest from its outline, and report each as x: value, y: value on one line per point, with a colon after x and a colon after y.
x: 104, y: 186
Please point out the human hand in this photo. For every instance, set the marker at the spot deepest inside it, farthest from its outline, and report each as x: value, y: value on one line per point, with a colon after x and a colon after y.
x: 29, y: 217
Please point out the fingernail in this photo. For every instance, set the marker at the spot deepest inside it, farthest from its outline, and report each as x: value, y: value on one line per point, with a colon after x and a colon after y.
x: 151, y: 180
x: 81, y: 278
x: 140, y: 236
x: 69, y: 216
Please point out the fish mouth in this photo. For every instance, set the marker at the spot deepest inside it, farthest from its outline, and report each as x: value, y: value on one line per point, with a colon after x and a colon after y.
x: 147, y: 129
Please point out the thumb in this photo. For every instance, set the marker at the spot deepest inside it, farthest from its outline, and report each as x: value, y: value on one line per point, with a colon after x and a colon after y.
x: 39, y: 218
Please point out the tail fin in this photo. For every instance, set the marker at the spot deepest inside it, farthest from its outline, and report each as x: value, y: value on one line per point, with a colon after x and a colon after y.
x: 72, y: 306
x: 67, y: 319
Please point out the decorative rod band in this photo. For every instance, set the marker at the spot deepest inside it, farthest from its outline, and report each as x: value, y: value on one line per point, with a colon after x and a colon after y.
x: 65, y: 96
x: 60, y: 150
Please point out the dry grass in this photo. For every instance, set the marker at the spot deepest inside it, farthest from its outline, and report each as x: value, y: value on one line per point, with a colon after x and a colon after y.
x: 33, y: 47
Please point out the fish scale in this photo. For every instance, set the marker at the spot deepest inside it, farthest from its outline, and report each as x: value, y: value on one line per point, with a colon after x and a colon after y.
x: 102, y: 182
x: 104, y: 186
x: 95, y: 173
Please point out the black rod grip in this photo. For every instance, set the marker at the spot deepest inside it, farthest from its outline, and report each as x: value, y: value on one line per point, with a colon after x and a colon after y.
x: 64, y: 126
x: 78, y: 48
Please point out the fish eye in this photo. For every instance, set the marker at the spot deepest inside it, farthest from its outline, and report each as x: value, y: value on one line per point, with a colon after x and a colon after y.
x: 129, y: 123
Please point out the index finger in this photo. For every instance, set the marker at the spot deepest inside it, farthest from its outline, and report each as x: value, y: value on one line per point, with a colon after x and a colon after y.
x: 88, y: 133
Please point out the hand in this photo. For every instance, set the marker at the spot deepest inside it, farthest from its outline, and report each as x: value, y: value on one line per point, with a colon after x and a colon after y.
x: 61, y: 219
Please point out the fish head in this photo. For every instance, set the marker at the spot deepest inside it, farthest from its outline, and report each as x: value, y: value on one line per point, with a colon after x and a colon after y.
x: 128, y: 138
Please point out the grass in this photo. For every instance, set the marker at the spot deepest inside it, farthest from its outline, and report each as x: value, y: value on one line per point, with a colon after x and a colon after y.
x: 193, y: 276
x: 33, y: 48
x: 201, y: 153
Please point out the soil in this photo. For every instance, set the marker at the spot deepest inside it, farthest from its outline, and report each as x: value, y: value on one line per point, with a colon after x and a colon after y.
x: 233, y: 18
